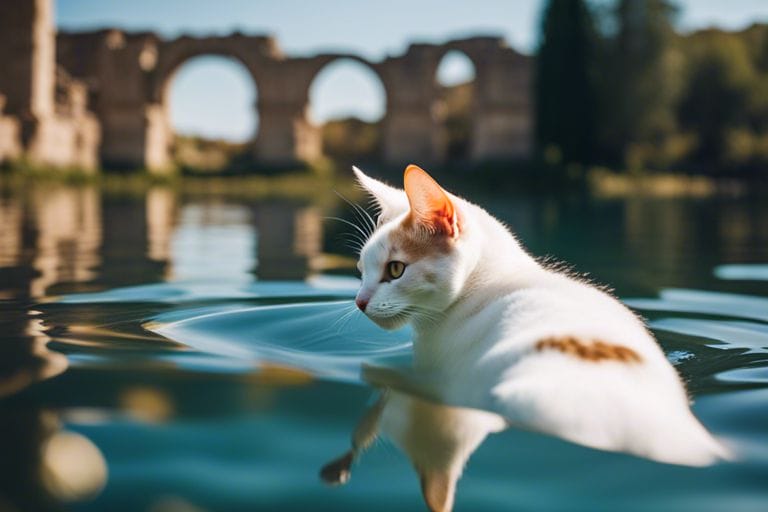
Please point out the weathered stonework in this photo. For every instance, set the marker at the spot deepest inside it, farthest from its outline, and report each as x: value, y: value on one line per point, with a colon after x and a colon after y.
x: 127, y: 75
x: 10, y: 136
x: 47, y: 104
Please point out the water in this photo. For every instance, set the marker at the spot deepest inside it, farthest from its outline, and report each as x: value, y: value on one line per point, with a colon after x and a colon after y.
x: 174, y: 353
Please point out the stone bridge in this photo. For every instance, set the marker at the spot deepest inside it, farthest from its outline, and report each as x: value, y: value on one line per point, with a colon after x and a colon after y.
x: 127, y: 77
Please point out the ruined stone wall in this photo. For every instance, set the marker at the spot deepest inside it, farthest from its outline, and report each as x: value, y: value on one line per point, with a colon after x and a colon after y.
x: 115, y: 67
x: 50, y: 108
x: 286, y: 134
x: 502, y: 121
x: 27, y: 59
x: 10, y: 136
x: 129, y: 74
x: 108, y: 102
x: 409, y: 134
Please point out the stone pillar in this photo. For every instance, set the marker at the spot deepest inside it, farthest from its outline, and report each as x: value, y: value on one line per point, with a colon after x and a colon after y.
x: 135, y: 137
x: 158, y: 139
x: 117, y: 67
x: 408, y: 134
x: 408, y: 128
x: 27, y: 57
x: 289, y: 240
x: 502, y: 125
x: 56, y: 128
x: 27, y: 60
x: 286, y: 134
x: 10, y: 135
x: 136, y: 130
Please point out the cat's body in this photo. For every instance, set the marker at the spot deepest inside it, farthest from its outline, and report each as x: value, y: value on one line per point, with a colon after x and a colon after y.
x: 495, y: 330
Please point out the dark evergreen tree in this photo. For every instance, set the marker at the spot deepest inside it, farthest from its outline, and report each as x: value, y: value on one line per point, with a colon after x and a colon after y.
x: 564, y: 83
x: 639, y: 80
x: 717, y: 99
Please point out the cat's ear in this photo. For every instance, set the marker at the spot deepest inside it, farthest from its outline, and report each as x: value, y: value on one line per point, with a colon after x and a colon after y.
x: 430, y: 204
x: 391, y: 201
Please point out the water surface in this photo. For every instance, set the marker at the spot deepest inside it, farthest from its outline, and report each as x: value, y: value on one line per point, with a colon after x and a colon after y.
x: 166, y: 352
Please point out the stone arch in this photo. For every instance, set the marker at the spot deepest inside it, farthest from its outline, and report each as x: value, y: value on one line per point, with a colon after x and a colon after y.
x: 367, y: 138
x: 454, y: 109
x: 130, y: 71
x: 172, y: 55
x: 446, y: 50
x: 321, y: 62
x: 452, y: 55
x: 210, y: 103
x: 501, y: 121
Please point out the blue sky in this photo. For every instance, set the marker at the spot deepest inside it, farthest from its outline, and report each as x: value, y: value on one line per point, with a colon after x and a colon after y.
x: 215, y: 97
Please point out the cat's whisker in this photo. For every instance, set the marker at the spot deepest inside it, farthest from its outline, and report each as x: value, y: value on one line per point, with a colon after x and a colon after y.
x: 350, y: 308
x: 346, y: 319
x: 370, y: 220
x: 353, y: 237
x: 352, y: 224
x: 347, y: 313
x: 353, y: 241
x: 359, y: 217
x: 364, y: 216
x: 354, y: 245
x: 432, y: 317
x: 428, y: 319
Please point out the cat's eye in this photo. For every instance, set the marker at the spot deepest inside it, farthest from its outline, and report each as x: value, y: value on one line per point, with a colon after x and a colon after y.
x: 395, y: 269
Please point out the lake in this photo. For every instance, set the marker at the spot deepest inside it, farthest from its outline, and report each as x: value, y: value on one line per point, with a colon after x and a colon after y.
x: 177, y: 352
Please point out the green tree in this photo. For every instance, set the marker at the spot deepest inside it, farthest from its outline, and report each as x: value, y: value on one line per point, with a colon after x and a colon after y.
x: 719, y: 99
x: 564, y: 83
x: 639, y: 81
x: 755, y: 41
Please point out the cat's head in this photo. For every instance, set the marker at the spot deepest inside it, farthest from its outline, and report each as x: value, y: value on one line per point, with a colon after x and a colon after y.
x: 415, y: 263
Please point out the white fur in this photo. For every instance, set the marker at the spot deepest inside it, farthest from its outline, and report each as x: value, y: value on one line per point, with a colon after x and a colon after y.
x: 476, y: 327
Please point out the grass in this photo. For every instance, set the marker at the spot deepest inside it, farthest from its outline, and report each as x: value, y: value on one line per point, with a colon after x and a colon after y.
x: 300, y: 184
x: 312, y: 182
x: 606, y: 183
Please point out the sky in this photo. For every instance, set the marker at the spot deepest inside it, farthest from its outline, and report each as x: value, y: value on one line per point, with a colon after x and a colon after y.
x: 215, y: 97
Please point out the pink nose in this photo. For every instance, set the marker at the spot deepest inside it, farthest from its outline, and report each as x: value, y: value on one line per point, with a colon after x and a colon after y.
x: 361, y: 303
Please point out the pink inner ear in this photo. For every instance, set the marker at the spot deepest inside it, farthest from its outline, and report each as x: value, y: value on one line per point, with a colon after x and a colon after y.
x: 430, y: 205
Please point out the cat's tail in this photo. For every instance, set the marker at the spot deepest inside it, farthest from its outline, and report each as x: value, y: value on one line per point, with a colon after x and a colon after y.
x: 652, y: 420
x: 691, y: 445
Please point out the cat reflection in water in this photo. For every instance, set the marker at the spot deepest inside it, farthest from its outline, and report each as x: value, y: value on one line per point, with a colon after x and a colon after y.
x: 495, y: 330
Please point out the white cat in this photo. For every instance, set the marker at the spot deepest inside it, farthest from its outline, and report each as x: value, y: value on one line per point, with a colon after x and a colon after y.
x: 497, y: 331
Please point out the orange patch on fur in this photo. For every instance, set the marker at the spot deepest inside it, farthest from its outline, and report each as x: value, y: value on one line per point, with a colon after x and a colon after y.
x: 594, y: 351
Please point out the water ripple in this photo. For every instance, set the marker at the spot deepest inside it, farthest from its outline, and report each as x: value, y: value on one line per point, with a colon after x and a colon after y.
x: 207, y: 290
x: 706, y: 303
x: 713, y: 337
x: 750, y: 336
x: 329, y: 339
x: 742, y: 272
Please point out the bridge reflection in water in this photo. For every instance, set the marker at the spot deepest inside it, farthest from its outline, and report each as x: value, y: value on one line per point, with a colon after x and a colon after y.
x: 58, y: 239
x: 65, y: 239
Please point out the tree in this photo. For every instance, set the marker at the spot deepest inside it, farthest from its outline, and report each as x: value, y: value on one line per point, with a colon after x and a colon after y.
x: 639, y: 80
x: 564, y: 83
x: 718, y: 97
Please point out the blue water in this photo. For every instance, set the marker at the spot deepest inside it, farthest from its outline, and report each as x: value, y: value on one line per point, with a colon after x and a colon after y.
x: 174, y: 353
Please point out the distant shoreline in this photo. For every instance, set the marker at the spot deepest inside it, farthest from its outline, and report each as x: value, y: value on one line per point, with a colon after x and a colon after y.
x: 307, y: 183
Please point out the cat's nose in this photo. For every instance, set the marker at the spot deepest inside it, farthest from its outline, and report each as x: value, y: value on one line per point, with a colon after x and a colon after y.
x: 361, y: 303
